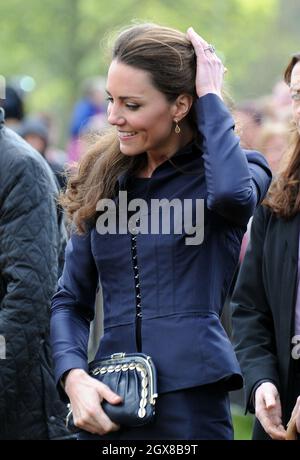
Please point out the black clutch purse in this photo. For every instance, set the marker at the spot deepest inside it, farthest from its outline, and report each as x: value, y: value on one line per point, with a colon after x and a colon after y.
x: 131, y: 376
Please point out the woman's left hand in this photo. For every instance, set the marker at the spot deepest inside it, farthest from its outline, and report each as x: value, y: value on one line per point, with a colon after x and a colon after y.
x: 296, y: 414
x: 210, y: 69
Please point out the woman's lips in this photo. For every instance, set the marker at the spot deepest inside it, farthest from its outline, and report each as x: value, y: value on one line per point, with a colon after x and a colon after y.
x: 126, y: 135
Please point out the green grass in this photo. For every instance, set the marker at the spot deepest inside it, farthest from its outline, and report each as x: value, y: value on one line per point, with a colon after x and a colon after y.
x: 242, y: 423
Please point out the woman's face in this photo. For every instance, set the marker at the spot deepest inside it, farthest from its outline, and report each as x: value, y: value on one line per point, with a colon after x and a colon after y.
x: 142, y: 115
x: 295, y: 93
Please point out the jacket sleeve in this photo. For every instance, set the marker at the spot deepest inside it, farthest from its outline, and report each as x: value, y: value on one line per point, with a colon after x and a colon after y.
x: 73, y: 306
x: 237, y: 181
x: 28, y: 267
x: 252, y: 322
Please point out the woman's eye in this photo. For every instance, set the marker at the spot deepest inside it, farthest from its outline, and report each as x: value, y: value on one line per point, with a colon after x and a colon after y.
x: 132, y: 106
x: 295, y: 96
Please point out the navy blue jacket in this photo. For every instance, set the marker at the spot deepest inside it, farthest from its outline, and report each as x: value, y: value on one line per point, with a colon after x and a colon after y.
x: 182, y: 287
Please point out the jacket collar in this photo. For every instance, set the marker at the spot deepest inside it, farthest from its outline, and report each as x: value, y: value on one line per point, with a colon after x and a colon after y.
x: 190, y: 149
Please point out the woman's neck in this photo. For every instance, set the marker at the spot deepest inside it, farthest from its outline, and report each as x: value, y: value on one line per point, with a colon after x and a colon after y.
x: 155, y: 159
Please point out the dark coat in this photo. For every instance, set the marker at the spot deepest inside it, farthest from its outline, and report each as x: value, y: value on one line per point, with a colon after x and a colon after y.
x: 264, y: 306
x: 30, y: 244
x: 182, y: 287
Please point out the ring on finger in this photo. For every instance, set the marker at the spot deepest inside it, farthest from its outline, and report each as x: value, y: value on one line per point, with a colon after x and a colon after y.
x: 210, y: 48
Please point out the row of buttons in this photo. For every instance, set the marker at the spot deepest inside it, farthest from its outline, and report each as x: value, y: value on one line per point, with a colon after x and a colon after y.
x: 137, y: 287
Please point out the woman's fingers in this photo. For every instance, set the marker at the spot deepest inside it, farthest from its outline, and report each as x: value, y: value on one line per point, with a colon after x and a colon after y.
x: 210, y: 70
x: 196, y: 41
x: 200, y: 45
x: 278, y: 433
x: 108, y: 394
x: 268, y: 410
x: 196, y: 38
x: 102, y: 424
x: 296, y: 414
x: 291, y: 432
x: 95, y: 421
x: 272, y: 424
x: 86, y: 395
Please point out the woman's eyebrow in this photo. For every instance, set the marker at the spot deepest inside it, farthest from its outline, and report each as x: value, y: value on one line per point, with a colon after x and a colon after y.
x: 126, y: 97
x: 295, y: 89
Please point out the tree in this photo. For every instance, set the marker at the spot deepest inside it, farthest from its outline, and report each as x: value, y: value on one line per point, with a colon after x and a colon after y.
x: 61, y: 42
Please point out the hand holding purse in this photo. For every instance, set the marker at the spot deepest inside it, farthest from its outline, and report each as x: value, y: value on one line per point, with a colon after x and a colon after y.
x: 131, y: 376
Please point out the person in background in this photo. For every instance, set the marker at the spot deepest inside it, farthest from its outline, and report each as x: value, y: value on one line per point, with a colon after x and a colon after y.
x: 273, y: 142
x: 281, y: 102
x: 32, y: 242
x: 172, y: 137
x: 89, y: 115
x: 32, y: 129
x: 13, y: 106
x: 35, y: 132
x: 266, y: 299
x: 249, y: 121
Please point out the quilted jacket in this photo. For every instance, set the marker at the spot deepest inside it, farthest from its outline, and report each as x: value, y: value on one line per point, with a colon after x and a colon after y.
x: 31, y: 241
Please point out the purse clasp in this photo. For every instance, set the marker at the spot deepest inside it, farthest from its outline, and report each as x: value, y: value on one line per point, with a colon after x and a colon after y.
x: 118, y: 355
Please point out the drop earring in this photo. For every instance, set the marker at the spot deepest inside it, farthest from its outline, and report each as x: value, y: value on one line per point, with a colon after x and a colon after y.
x: 177, y: 128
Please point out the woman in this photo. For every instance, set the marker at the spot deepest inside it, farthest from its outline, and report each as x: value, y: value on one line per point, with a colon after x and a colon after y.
x: 172, y: 139
x: 266, y: 300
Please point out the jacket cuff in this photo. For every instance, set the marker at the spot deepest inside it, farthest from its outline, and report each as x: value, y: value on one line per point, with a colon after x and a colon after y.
x: 62, y: 373
x: 211, y: 110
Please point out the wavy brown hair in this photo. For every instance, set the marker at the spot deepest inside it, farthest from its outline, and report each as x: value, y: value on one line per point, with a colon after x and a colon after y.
x: 169, y: 58
x: 284, y: 194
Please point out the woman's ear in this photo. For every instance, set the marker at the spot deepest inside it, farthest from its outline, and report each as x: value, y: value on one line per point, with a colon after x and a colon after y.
x: 182, y: 106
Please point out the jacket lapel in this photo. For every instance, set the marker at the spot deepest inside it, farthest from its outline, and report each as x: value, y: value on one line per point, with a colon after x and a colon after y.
x: 290, y: 268
x: 292, y: 237
x: 288, y: 272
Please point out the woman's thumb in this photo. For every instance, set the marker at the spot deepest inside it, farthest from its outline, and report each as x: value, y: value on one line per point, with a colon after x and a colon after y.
x: 109, y: 395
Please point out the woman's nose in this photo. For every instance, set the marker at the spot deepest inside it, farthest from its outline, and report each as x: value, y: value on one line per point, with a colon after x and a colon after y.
x: 114, y: 116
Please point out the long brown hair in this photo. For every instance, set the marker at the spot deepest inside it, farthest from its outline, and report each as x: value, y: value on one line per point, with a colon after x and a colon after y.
x: 170, y: 60
x: 284, y: 194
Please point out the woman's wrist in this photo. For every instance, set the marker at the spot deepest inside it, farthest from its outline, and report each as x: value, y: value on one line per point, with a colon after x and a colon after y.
x: 63, y: 379
x: 69, y: 374
x: 204, y: 93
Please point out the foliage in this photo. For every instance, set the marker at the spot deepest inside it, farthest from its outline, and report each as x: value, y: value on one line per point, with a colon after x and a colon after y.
x: 242, y: 424
x: 61, y: 42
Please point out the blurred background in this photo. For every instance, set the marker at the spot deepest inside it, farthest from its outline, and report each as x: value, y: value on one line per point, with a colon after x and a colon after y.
x: 55, y: 54
x: 49, y: 47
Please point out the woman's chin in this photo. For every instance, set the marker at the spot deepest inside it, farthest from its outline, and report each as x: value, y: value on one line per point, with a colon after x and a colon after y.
x: 130, y: 152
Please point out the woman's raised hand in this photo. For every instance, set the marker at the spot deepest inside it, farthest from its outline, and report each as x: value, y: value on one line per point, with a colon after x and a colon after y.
x: 210, y: 69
